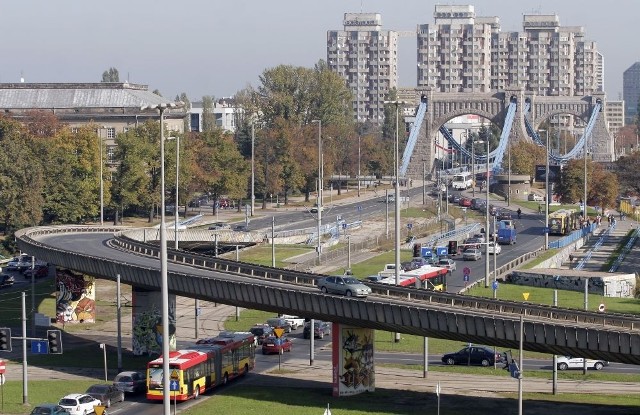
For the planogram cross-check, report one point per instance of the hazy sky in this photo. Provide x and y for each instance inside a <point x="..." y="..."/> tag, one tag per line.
<point x="213" y="47"/>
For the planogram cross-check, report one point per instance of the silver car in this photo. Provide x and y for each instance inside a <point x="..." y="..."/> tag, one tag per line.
<point x="348" y="286"/>
<point x="472" y="255"/>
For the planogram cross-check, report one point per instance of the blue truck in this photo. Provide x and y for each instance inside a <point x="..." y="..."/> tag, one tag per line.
<point x="506" y="232"/>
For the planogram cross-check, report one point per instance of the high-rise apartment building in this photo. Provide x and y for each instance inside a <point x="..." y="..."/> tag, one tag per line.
<point x="464" y="53"/>
<point x="366" y="57"/>
<point x="631" y="92"/>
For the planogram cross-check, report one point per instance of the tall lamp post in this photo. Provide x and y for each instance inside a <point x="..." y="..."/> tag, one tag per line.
<point x="163" y="259"/>
<point x="546" y="190"/>
<point x="253" y="170"/>
<point x="359" y="165"/>
<point x="584" y="201"/>
<point x="396" y="193"/>
<point x="177" y="216"/>
<point x="319" y="199"/>
<point x="101" y="180"/>
<point x="473" y="169"/>
<point x="486" y="232"/>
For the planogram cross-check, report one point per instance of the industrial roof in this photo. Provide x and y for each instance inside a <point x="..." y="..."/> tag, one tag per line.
<point x="76" y="95"/>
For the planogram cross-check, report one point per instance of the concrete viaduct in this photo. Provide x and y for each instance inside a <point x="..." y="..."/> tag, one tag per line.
<point x="423" y="313"/>
<point x="441" y="107"/>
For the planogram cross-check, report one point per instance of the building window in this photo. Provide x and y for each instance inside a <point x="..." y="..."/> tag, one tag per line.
<point x="111" y="133"/>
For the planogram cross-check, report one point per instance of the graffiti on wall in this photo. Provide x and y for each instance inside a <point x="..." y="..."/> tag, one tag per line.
<point x="147" y="322"/>
<point x="75" y="298"/>
<point x="607" y="285"/>
<point x="354" y="370"/>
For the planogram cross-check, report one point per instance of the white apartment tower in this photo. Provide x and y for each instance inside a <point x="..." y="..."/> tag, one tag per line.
<point x="454" y="54"/>
<point x="366" y="57"/>
<point x="464" y="53"/>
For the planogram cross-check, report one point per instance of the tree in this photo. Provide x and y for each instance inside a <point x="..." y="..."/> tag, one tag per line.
<point x="110" y="75"/>
<point x="187" y="104"/>
<point x="602" y="186"/>
<point x="628" y="170"/>
<point x="21" y="178"/>
<point x="208" y="117"/>
<point x="137" y="183"/>
<point x="219" y="168"/>
<point x="72" y="176"/>
<point x="525" y="155"/>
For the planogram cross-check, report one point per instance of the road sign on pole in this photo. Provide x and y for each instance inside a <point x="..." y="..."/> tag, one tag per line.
<point x="39" y="347"/>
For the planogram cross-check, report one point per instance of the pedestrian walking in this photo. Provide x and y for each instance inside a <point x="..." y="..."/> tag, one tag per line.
<point x="539" y="208"/>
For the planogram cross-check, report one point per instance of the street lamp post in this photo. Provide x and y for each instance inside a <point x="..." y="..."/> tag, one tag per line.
<point x="473" y="169"/>
<point x="424" y="183"/>
<point x="396" y="193"/>
<point x="546" y="190"/>
<point x="319" y="196"/>
<point x="397" y="200"/>
<point x="486" y="232"/>
<point x="163" y="260"/>
<point x="177" y="216"/>
<point x="253" y="170"/>
<point x="584" y="201"/>
<point x="101" y="181"/>
<point x="358" y="165"/>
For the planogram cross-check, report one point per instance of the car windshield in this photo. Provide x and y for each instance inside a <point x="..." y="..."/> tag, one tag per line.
<point x="124" y="378"/>
<point x="68" y="402"/>
<point x="257" y="331"/>
<point x="38" y="410"/>
<point x="351" y="281"/>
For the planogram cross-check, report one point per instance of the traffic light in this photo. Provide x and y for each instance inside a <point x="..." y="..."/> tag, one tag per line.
<point x="417" y="247"/>
<point x="54" y="338"/>
<point x="5" y="339"/>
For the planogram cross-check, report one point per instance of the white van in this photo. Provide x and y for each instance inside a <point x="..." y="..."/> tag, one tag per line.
<point x="462" y="181"/>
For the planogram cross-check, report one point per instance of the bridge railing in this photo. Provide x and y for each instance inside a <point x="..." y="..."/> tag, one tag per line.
<point x="309" y="279"/>
<point x="431" y="297"/>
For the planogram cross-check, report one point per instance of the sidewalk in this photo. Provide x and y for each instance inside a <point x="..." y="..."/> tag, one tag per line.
<point x="602" y="247"/>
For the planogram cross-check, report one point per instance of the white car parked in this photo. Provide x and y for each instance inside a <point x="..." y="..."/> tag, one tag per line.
<point x="569" y="362"/>
<point x="79" y="403"/>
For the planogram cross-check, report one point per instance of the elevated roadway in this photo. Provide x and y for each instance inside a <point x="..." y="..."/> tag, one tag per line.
<point x="107" y="252"/>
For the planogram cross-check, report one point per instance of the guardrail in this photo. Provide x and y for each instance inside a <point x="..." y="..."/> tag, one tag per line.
<point x="309" y="279"/>
<point x="625" y="251"/>
<point x="432" y="297"/>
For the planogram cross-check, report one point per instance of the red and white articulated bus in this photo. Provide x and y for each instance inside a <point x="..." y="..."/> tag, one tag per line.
<point x="209" y="363"/>
<point x="427" y="277"/>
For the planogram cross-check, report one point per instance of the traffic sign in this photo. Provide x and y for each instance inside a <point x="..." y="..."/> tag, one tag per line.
<point x="174" y="385"/>
<point x="344" y="225"/>
<point x="99" y="409"/>
<point x="494" y="285"/>
<point x="39" y="347"/>
<point x="174" y="375"/>
<point x="545" y="230"/>
<point x="278" y="332"/>
<point x="466" y="271"/>
<point x="409" y="225"/>
<point x="465" y="277"/>
<point x="359" y="208"/>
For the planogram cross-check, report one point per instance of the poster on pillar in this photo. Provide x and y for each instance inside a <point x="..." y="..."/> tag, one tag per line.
<point x="146" y="322"/>
<point x="75" y="298"/>
<point x="352" y="357"/>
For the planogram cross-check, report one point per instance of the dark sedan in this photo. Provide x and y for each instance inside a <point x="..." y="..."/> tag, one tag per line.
<point x="472" y="355"/>
<point x="48" y="409"/>
<point x="320" y="329"/>
<point x="131" y="382"/>
<point x="106" y="394"/>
